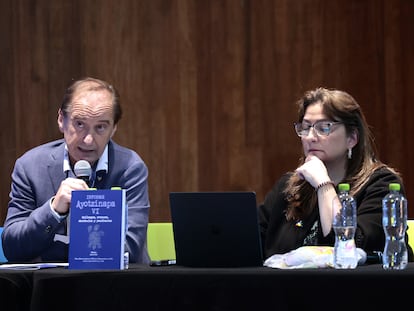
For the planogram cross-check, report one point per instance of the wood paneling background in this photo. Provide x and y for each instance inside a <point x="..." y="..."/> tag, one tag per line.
<point x="208" y="87"/>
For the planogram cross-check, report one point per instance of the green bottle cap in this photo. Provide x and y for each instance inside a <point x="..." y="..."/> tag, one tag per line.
<point x="394" y="187"/>
<point x="344" y="187"/>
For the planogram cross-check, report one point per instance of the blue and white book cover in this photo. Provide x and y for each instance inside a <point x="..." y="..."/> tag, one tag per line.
<point x="97" y="229"/>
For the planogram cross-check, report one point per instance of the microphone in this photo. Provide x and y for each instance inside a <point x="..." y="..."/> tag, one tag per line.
<point x="83" y="170"/>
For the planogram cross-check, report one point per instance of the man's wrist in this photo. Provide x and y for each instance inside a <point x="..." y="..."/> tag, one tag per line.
<point x="59" y="216"/>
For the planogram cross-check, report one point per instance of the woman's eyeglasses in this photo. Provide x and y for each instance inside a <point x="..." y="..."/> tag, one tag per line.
<point x="321" y="128"/>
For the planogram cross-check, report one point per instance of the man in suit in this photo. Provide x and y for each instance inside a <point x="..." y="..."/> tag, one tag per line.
<point x="35" y="229"/>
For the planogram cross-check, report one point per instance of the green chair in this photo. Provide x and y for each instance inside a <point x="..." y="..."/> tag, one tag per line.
<point x="160" y="241"/>
<point x="410" y="232"/>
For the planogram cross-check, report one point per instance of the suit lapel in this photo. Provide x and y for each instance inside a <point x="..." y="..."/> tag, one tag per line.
<point x="55" y="167"/>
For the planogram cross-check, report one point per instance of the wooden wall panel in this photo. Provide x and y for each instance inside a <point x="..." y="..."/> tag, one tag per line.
<point x="208" y="87"/>
<point x="7" y="107"/>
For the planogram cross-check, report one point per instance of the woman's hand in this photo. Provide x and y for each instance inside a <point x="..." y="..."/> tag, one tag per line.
<point x="313" y="171"/>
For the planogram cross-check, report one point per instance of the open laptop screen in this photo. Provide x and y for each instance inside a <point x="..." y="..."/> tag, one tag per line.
<point x="216" y="229"/>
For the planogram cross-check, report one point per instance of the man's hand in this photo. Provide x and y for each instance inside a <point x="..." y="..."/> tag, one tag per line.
<point x="61" y="201"/>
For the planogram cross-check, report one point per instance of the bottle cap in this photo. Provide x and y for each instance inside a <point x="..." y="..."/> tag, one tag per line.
<point x="394" y="187"/>
<point x="344" y="187"/>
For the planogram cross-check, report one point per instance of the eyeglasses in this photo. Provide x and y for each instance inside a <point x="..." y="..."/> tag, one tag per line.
<point x="322" y="128"/>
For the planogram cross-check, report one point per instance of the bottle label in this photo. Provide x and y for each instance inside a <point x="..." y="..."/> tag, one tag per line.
<point x="347" y="247"/>
<point x="345" y="255"/>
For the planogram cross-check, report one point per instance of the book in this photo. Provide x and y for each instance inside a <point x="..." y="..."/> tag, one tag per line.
<point x="97" y="229"/>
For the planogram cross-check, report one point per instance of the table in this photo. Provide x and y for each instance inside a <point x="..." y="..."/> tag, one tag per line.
<point x="180" y="288"/>
<point x="15" y="289"/>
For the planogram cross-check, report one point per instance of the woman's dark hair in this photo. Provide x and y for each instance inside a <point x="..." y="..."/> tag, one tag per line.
<point x="338" y="106"/>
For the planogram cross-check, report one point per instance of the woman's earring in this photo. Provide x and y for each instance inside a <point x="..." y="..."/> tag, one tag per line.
<point x="349" y="153"/>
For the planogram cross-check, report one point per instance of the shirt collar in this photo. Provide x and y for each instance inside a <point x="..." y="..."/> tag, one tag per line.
<point x="101" y="166"/>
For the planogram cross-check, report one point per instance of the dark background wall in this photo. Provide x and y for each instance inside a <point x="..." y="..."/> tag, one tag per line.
<point x="208" y="87"/>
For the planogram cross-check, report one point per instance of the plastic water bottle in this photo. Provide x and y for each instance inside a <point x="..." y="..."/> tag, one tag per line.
<point x="344" y="225"/>
<point x="126" y="253"/>
<point x="394" y="221"/>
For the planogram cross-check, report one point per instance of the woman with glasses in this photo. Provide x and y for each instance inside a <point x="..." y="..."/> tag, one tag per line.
<point x="337" y="148"/>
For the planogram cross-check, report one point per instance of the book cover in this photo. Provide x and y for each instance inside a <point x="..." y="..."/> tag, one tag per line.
<point x="97" y="229"/>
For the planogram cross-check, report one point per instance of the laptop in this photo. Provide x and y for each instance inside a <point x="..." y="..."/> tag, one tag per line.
<point x="216" y="229"/>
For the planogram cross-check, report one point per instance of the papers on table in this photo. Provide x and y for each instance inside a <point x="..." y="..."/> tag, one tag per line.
<point x="33" y="266"/>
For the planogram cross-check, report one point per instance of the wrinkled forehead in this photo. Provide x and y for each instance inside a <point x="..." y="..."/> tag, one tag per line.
<point x="91" y="101"/>
<point x="90" y="88"/>
<point x="93" y="98"/>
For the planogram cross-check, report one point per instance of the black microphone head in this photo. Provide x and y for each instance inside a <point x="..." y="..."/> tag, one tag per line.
<point x="83" y="170"/>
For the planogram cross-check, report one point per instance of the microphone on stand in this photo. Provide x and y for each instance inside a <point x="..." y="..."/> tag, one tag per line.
<point x="83" y="171"/>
